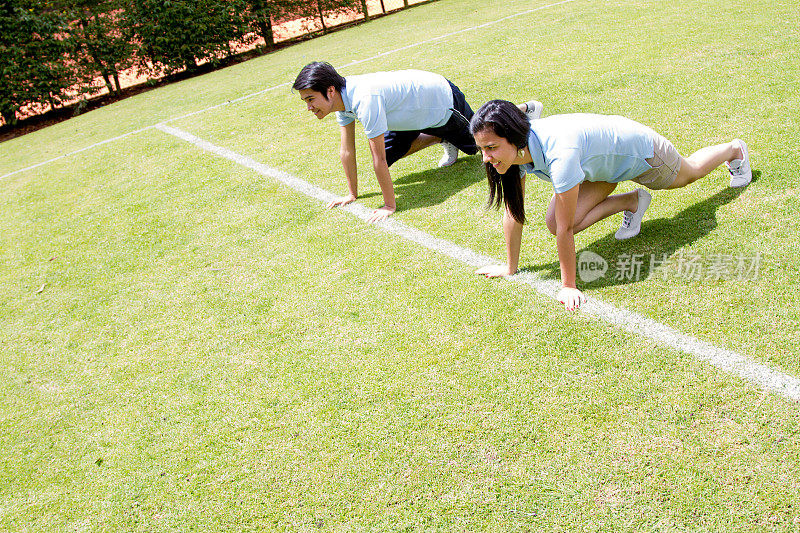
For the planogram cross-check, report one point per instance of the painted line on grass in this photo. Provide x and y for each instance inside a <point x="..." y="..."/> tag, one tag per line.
<point x="377" y="56"/>
<point x="79" y="150"/>
<point x="758" y="373"/>
<point x="464" y="30"/>
<point x="286" y="84"/>
<point x="229" y="102"/>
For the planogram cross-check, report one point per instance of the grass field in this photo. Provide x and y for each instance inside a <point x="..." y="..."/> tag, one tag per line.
<point x="190" y="345"/>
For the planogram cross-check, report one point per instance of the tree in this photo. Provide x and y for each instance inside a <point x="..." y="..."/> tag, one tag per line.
<point x="261" y="14"/>
<point x="105" y="45"/>
<point x="177" y="35"/>
<point x="35" y="57"/>
<point x="328" y="6"/>
<point x="52" y="51"/>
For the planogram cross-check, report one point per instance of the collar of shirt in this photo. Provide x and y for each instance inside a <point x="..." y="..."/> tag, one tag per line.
<point x="348" y="105"/>
<point x="537" y="153"/>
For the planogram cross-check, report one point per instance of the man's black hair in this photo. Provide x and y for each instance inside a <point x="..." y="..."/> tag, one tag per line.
<point x="318" y="76"/>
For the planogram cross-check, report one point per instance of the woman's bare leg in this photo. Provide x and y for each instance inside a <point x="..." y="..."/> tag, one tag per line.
<point x="595" y="203"/>
<point x="703" y="161"/>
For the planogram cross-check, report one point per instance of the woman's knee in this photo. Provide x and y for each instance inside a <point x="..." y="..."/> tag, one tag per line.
<point x="550" y="219"/>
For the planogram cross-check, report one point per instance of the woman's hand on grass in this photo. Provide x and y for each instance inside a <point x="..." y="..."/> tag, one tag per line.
<point x="381" y="213"/>
<point x="571" y="297"/>
<point x="344" y="200"/>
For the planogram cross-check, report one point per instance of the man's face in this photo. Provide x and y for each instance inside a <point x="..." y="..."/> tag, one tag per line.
<point x="318" y="103"/>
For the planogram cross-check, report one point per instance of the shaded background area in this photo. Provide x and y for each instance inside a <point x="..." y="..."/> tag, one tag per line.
<point x="61" y="60"/>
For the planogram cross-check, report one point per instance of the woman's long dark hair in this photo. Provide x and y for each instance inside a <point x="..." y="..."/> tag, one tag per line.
<point x="506" y="121"/>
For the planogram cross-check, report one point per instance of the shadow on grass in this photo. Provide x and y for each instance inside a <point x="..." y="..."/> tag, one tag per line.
<point x="435" y="185"/>
<point x="658" y="239"/>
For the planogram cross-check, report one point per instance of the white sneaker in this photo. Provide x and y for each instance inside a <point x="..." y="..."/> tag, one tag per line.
<point x="450" y="154"/>
<point x="632" y="222"/>
<point x="535" y="109"/>
<point x="740" y="171"/>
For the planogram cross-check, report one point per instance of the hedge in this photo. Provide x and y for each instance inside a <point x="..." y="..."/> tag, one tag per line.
<point x="53" y="51"/>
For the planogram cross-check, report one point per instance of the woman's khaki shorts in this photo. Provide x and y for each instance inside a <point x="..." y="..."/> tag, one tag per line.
<point x="666" y="162"/>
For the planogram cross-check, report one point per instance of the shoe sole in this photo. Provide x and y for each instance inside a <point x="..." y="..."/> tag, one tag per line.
<point x="536" y="112"/>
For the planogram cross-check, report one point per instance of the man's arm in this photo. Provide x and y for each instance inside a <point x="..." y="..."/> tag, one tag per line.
<point x="378" y="149"/>
<point x="347" y="155"/>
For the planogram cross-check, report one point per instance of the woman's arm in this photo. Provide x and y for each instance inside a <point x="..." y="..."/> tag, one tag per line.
<point x="565" y="206"/>
<point x="512" y="233"/>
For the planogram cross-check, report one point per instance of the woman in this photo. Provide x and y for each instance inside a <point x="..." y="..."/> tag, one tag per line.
<point x="584" y="157"/>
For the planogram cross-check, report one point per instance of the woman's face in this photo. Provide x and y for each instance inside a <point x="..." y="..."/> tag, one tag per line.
<point x="496" y="150"/>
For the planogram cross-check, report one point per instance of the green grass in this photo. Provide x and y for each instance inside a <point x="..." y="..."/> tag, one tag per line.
<point x="188" y="345"/>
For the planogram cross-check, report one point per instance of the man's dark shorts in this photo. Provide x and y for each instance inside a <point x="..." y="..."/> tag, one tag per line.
<point x="455" y="131"/>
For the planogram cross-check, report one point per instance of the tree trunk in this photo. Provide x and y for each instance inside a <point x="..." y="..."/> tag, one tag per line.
<point x="264" y="26"/>
<point x="364" y="9"/>
<point x="107" y="80"/>
<point x="93" y="55"/>
<point x="321" y="18"/>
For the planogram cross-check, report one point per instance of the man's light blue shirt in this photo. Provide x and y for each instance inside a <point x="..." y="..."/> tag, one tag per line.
<point x="569" y="149"/>
<point x="400" y="100"/>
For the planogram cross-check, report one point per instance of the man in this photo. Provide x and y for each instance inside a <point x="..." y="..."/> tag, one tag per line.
<point x="402" y="112"/>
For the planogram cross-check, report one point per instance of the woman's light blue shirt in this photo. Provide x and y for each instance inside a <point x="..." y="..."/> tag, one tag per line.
<point x="569" y="149"/>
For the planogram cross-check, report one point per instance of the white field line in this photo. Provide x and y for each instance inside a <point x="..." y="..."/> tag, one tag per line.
<point x="376" y="56"/>
<point x="760" y="374"/>
<point x="85" y="148"/>
<point x="464" y="30"/>
<point x="286" y="84"/>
